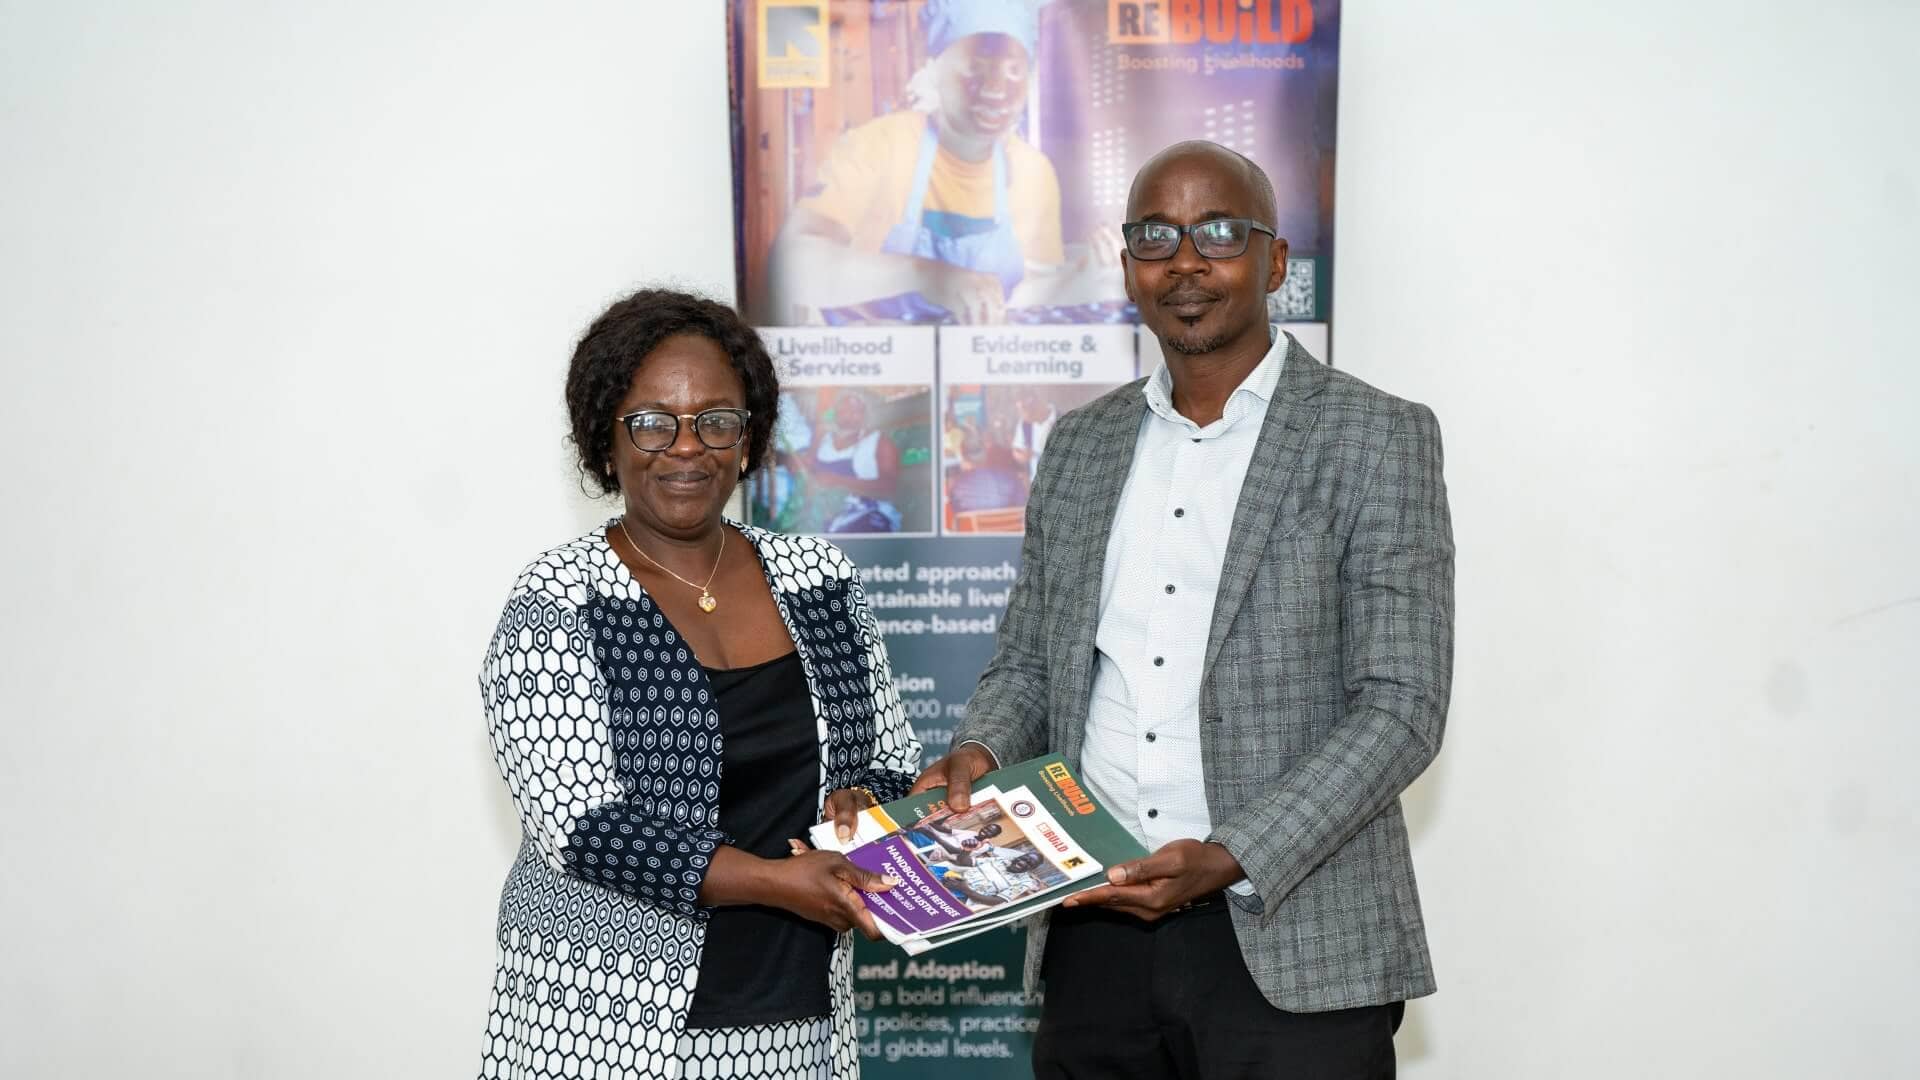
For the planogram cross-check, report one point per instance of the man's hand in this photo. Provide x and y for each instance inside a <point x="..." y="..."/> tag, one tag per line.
<point x="956" y="772"/>
<point x="1151" y="887"/>
<point x="843" y="809"/>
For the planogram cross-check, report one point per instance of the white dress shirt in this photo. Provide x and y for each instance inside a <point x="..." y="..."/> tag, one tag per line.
<point x="1163" y="562"/>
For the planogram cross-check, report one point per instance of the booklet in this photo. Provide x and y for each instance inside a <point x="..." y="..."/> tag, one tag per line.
<point x="1031" y="837"/>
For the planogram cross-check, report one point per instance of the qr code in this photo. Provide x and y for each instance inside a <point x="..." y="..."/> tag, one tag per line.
<point x="1294" y="299"/>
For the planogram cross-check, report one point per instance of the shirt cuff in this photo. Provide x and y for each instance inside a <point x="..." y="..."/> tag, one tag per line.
<point x="983" y="746"/>
<point x="1241" y="894"/>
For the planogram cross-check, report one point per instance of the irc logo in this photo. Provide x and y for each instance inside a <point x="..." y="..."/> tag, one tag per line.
<point x="793" y="44"/>
<point x="1217" y="22"/>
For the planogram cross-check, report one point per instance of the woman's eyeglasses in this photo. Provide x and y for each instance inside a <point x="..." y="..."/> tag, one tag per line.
<point x="1219" y="238"/>
<point x="717" y="429"/>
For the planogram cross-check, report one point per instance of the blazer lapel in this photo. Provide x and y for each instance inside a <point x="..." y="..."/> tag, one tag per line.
<point x="1276" y="458"/>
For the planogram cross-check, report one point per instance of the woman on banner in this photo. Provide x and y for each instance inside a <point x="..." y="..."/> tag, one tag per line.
<point x="671" y="698"/>
<point x="854" y="459"/>
<point x="938" y="216"/>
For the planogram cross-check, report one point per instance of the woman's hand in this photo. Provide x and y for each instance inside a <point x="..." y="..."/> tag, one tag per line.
<point x="843" y="809"/>
<point x="823" y="887"/>
<point x="820" y="886"/>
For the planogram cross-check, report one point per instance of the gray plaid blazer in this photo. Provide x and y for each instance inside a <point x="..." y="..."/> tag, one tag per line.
<point x="1327" y="668"/>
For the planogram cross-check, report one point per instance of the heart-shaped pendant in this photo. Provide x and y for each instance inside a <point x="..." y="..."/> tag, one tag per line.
<point x="708" y="603"/>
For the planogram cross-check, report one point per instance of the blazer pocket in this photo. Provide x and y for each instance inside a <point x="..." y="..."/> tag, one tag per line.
<point x="1294" y="597"/>
<point x="1305" y="523"/>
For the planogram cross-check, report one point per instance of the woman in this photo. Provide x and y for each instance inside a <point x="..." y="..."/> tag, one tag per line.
<point x="671" y="698"/>
<point x="946" y="215"/>
<point x="857" y="460"/>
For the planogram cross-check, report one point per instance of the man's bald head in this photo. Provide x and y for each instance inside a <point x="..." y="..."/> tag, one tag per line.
<point x="1198" y="304"/>
<point x="1266" y="205"/>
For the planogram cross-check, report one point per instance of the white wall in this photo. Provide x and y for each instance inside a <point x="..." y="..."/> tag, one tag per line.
<point x="1649" y="263"/>
<point x="286" y="292"/>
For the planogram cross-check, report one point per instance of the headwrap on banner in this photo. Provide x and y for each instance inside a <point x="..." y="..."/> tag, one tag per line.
<point x="947" y="21"/>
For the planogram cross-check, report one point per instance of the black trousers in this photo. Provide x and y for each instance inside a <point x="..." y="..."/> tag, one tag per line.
<point x="1172" y="1000"/>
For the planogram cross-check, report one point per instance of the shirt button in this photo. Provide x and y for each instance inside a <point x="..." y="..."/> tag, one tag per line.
<point x="1153" y="813"/>
<point x="1169" y="590"/>
<point x="1151" y="736"/>
<point x="1179" y="512"/>
<point x="1159" y="661"/>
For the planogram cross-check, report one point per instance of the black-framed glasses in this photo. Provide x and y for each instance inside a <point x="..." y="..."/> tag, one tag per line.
<point x="1218" y="238"/>
<point x="652" y="431"/>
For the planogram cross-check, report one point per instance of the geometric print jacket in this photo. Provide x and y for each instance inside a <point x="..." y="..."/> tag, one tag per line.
<point x="606" y="733"/>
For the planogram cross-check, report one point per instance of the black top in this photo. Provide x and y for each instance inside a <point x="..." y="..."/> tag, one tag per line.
<point x="762" y="965"/>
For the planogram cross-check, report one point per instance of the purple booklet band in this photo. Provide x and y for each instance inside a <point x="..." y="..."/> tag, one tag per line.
<point x="918" y="904"/>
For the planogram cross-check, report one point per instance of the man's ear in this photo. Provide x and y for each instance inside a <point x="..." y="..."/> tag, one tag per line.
<point x="1126" y="276"/>
<point x="1276" y="264"/>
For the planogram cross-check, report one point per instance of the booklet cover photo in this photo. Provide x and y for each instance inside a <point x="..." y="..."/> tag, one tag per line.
<point x="1031" y="837"/>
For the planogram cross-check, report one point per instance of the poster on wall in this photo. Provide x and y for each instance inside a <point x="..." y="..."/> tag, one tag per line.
<point x="927" y="201"/>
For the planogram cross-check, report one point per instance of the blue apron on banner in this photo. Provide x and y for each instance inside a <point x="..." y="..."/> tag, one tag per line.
<point x="971" y="243"/>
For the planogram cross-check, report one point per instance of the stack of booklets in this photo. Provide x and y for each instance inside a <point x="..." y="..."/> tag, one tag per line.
<point x="1030" y="837"/>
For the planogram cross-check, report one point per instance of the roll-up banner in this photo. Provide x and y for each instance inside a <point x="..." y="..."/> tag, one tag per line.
<point x="928" y="198"/>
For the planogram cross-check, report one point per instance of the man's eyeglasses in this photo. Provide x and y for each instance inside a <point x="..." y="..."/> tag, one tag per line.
<point x="717" y="429"/>
<point x="1219" y="238"/>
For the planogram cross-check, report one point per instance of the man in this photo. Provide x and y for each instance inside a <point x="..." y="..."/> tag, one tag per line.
<point x="990" y="882"/>
<point x="1037" y="417"/>
<point x="938" y="843"/>
<point x="977" y="484"/>
<point x="1234" y="618"/>
<point x="967" y="839"/>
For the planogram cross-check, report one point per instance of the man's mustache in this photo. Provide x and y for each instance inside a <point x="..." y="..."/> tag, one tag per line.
<point x="1189" y="294"/>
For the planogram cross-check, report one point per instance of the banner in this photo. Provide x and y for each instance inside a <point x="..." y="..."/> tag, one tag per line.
<point x="927" y="206"/>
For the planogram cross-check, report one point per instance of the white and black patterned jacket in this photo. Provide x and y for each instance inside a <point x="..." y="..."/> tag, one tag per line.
<point x="607" y="734"/>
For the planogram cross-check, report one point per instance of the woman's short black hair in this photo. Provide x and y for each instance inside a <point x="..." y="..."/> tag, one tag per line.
<point x="612" y="349"/>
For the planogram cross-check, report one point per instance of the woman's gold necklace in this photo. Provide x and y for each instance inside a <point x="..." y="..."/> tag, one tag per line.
<point x="707" y="602"/>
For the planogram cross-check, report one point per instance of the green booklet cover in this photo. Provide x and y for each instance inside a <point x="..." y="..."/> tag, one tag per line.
<point x="1032" y="836"/>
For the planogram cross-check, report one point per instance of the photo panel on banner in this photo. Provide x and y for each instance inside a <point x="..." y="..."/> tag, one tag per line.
<point x="1002" y="389"/>
<point x="928" y="206"/>
<point x="935" y="148"/>
<point x="853" y="448"/>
